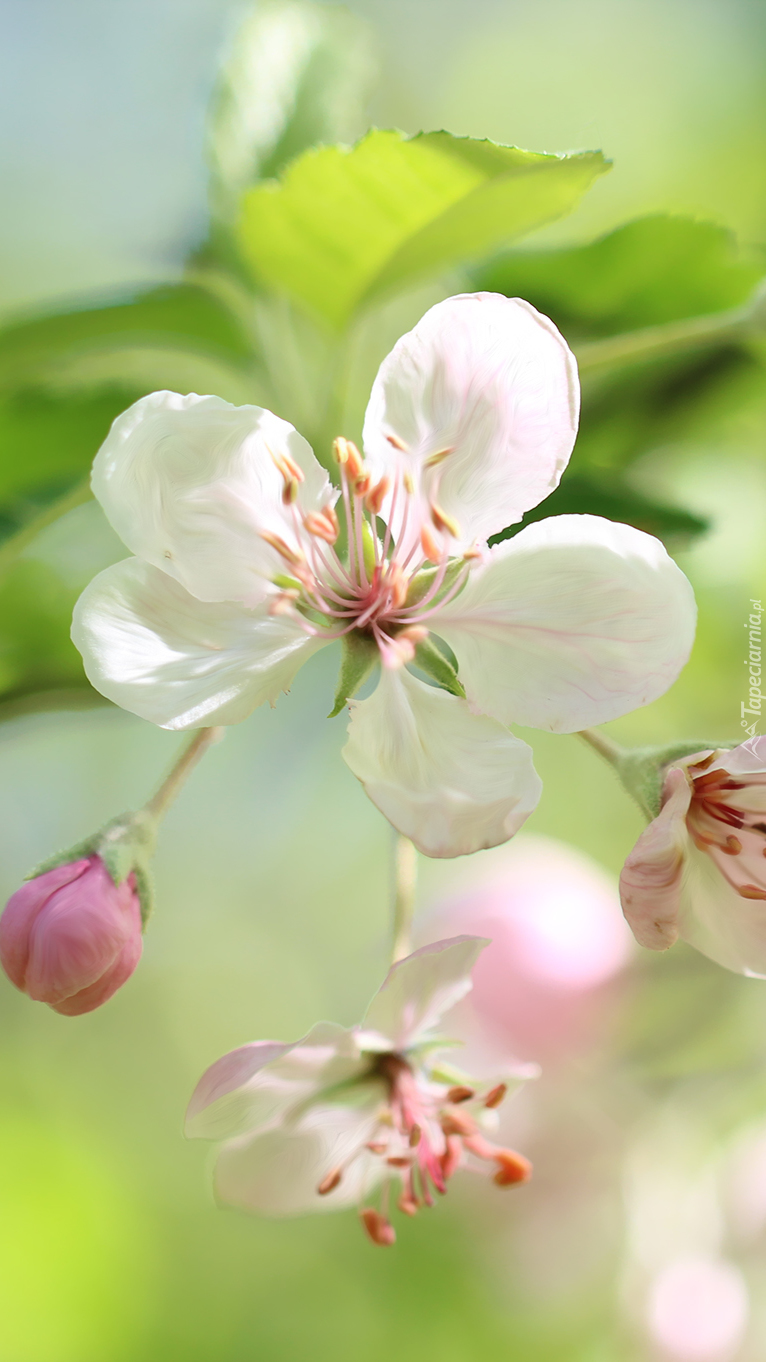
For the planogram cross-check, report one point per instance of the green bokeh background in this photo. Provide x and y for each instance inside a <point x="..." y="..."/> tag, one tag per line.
<point x="272" y="872"/>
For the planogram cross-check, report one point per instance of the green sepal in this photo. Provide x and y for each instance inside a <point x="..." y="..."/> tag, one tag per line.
<point x="286" y="583"/>
<point x="368" y="549"/>
<point x="642" y="769"/>
<point x="125" y="844"/>
<point x="432" y="661"/>
<point x="422" y="582"/>
<point x="359" y="655"/>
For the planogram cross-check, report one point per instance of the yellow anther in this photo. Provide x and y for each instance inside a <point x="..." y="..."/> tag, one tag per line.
<point x="348" y="456"/>
<point x="443" y="521"/>
<point x="409" y="485"/>
<point x="438" y="457"/>
<point x="291" y="556"/>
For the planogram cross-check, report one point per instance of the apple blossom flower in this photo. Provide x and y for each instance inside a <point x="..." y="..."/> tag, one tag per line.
<point x="71" y="937"/>
<point x="699" y="870"/>
<point x="319" y="1124"/>
<point x="238" y="576"/>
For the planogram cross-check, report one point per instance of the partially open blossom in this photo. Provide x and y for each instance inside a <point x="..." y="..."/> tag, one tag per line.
<point x="248" y="561"/>
<point x="321" y="1123"/>
<point x="699" y="870"/>
<point x="71" y="936"/>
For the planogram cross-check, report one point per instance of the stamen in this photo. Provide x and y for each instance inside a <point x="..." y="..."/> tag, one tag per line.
<point x="348" y="456"/>
<point x="380" y="1230"/>
<point x="429" y="546"/>
<point x="443" y="521"/>
<point x="292" y="556"/>
<point x="439" y="457"/>
<point x="495" y="1096"/>
<point x="397" y="443"/>
<point x="460" y="1094"/>
<point x="290" y="492"/>
<point x="319" y="524"/>
<point x="751" y="891"/>
<point x="376" y="496"/>
<point x="451" y="1158"/>
<point x="457" y="1123"/>
<point x="415" y="1136"/>
<point x="329" y="1183"/>
<point x="732" y="846"/>
<point x="513" y="1168"/>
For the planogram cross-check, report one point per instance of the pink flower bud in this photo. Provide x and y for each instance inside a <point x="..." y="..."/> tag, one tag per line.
<point x="71" y="936"/>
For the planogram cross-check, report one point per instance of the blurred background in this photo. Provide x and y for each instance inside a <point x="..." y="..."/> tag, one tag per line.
<point x="643" y="1233"/>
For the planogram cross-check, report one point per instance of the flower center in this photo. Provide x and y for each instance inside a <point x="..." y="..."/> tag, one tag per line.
<point x="721" y="826"/>
<point x="422" y="1135"/>
<point x="370" y="589"/>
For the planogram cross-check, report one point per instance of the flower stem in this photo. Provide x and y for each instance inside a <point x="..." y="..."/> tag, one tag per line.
<point x="405" y="879"/>
<point x="609" y="750"/>
<point x="159" y="804"/>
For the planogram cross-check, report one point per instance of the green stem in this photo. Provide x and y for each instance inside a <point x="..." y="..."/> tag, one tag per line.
<point x="405" y="879"/>
<point x="671" y="338"/>
<point x="609" y="750"/>
<point x="159" y="804"/>
<point x="15" y="545"/>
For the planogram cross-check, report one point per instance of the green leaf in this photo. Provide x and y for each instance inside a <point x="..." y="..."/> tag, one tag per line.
<point x="657" y="269"/>
<point x="297" y="74"/>
<point x="179" y="317"/>
<point x="359" y="655"/>
<point x="431" y="660"/>
<point x="344" y="226"/>
<point x="611" y="497"/>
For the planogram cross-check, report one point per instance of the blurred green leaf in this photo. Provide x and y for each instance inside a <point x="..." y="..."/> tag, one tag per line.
<point x="297" y="74"/>
<point x="344" y="226"/>
<point x="611" y="497"/>
<point x="176" y="317"/>
<point x="657" y="269"/>
<point x="36" y="653"/>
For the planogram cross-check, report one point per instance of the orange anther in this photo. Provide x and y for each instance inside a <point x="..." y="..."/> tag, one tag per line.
<point x="495" y="1095"/>
<point x="442" y="521"/>
<point x="751" y="891"/>
<point x="380" y="1230"/>
<point x="512" y="1168"/>
<point x="460" y="1094"/>
<point x="429" y="546"/>
<point x="376" y="496"/>
<point x="397" y="443"/>
<point x="330" y="1182"/>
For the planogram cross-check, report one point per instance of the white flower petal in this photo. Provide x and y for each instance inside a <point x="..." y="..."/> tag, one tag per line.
<point x="652" y="877"/>
<point x="182" y="663"/>
<point x="278" y="1172"/>
<point x="718" y="921"/>
<point x="253" y="1086"/>
<point x="451" y="781"/>
<point x="574" y="621"/>
<point x="419" y="989"/>
<point x="491" y="380"/>
<point x="191" y="483"/>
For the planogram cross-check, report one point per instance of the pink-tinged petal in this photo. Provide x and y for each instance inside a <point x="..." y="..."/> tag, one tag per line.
<point x="492" y="382"/>
<point x="278" y="1172"/>
<point x="258" y="1084"/>
<point x="154" y="649"/>
<point x="573" y="622"/>
<point x="450" y="780"/>
<point x="419" y="989"/>
<point x="21" y="912"/>
<point x="748" y="759"/>
<point x="653" y="874"/>
<point x="191" y="484"/>
<point x="229" y="1074"/>
<point x="718" y="921"/>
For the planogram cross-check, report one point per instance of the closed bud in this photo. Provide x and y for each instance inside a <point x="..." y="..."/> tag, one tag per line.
<point x="71" y="937"/>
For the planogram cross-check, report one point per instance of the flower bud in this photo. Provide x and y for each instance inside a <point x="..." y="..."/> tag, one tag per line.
<point x="71" y="937"/>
